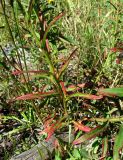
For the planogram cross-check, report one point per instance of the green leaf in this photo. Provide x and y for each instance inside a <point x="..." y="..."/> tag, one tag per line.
<point x="25" y="116"/>
<point x="85" y="154"/>
<point x="118" y="145"/>
<point x="87" y="96"/>
<point x="34" y="73"/>
<point x="112" y="92"/>
<point x="13" y="117"/>
<point x="41" y="153"/>
<point x="38" y="95"/>
<point x="91" y="134"/>
<point x="57" y="155"/>
<point x="76" y="153"/>
<point x="31" y="115"/>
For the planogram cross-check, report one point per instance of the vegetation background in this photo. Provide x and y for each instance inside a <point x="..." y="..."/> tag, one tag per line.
<point x="56" y="58"/>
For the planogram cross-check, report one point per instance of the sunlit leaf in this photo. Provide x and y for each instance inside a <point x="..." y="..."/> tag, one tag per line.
<point x="87" y="96"/>
<point x="49" y="120"/>
<point x="93" y="133"/>
<point x="51" y="129"/>
<point x="81" y="127"/>
<point x="76" y="153"/>
<point x="49" y="1"/>
<point x="118" y="145"/>
<point x="37" y="95"/>
<point x="34" y="74"/>
<point x="111" y="92"/>
<point x="58" y="155"/>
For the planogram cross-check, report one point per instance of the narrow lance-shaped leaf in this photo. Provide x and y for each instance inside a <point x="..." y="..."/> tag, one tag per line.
<point x="49" y="27"/>
<point x="34" y="73"/>
<point x="87" y="96"/>
<point x="37" y="95"/>
<point x="111" y="92"/>
<point x="18" y="72"/>
<point x="90" y="134"/>
<point x="49" y="120"/>
<point x="81" y="127"/>
<point x="52" y="127"/>
<point x="61" y="71"/>
<point x="40" y="74"/>
<point x="118" y="144"/>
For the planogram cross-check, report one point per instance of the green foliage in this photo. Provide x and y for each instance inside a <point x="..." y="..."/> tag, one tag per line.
<point x="91" y="134"/>
<point x="112" y="92"/>
<point x="60" y="57"/>
<point x="118" y="145"/>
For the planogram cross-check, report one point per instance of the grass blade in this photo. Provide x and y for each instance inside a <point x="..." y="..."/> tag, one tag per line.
<point x="118" y="145"/>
